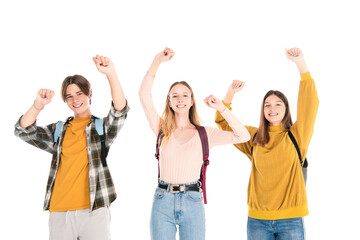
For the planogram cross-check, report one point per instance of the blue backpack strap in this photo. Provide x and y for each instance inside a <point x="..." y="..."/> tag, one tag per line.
<point x="99" y="126"/>
<point x="100" y="130"/>
<point x="57" y="131"/>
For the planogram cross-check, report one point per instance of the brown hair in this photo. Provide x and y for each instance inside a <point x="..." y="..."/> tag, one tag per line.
<point x="262" y="136"/>
<point x="168" y="123"/>
<point x="80" y="81"/>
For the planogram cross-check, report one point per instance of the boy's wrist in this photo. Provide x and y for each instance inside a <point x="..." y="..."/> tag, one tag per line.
<point x="36" y="106"/>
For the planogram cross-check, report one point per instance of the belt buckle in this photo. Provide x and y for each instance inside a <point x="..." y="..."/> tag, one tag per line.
<point x="171" y="188"/>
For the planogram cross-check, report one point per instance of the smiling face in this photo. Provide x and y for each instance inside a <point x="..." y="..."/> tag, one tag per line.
<point x="274" y="110"/>
<point x="180" y="99"/>
<point x="78" y="101"/>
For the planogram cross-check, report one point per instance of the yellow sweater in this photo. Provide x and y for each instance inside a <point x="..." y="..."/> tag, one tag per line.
<point x="276" y="187"/>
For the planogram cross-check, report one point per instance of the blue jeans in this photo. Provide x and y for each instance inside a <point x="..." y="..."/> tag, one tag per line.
<point x="289" y="229"/>
<point x="185" y="209"/>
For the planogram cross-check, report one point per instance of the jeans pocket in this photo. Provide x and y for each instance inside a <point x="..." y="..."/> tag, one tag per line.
<point x="159" y="193"/>
<point x="194" y="196"/>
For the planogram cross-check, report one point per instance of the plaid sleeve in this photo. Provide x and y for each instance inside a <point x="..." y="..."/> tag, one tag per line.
<point x="113" y="122"/>
<point x="40" y="137"/>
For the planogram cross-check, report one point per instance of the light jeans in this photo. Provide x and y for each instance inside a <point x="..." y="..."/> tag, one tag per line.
<point x="185" y="209"/>
<point x="80" y="225"/>
<point x="283" y="229"/>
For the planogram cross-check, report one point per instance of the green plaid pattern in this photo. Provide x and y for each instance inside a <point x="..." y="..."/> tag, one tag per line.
<point x="101" y="186"/>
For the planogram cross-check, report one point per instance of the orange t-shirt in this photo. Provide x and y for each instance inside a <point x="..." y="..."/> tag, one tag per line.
<point x="71" y="187"/>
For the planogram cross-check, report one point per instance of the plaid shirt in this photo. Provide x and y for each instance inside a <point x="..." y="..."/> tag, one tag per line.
<point x="101" y="186"/>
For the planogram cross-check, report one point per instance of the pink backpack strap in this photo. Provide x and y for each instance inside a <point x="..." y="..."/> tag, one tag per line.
<point x="157" y="154"/>
<point x="205" y="148"/>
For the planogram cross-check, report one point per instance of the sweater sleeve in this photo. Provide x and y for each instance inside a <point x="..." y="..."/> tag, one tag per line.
<point x="237" y="134"/>
<point x="147" y="103"/>
<point x="308" y="104"/>
<point x="223" y="124"/>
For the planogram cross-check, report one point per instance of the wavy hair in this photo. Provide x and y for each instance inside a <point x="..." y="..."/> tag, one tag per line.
<point x="168" y="124"/>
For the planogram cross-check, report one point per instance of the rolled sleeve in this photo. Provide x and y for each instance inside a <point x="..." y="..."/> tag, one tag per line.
<point x="20" y="130"/>
<point x="119" y="114"/>
<point x="114" y="122"/>
<point x="40" y="137"/>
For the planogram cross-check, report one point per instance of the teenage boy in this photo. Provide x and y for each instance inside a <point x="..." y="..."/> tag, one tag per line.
<point x="80" y="188"/>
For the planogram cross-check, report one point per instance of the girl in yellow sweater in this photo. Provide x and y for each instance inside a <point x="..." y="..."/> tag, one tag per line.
<point x="276" y="193"/>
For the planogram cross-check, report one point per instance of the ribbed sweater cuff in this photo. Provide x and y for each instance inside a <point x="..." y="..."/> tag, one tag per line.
<point x="305" y="76"/>
<point x="228" y="105"/>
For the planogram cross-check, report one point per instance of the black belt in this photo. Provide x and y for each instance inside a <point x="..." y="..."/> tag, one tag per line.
<point x="175" y="188"/>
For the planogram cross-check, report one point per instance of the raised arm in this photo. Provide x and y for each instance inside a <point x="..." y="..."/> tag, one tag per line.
<point x="26" y="129"/>
<point x="146" y="86"/>
<point x="43" y="98"/>
<point x="308" y="101"/>
<point x="238" y="134"/>
<point x="106" y="66"/>
<point x="235" y="87"/>
<point x="166" y="55"/>
<point x="223" y="123"/>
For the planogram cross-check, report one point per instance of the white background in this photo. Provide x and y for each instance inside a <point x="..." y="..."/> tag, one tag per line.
<point x="42" y="42"/>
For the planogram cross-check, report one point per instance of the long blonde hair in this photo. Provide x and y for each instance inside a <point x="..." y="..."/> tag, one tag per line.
<point x="168" y="124"/>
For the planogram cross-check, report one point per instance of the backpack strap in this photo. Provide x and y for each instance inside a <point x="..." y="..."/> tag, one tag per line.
<point x="206" y="162"/>
<point x="252" y="145"/>
<point x="305" y="164"/>
<point x="99" y="126"/>
<point x="205" y="149"/>
<point x="100" y="130"/>
<point x="57" y="131"/>
<point x="157" y="154"/>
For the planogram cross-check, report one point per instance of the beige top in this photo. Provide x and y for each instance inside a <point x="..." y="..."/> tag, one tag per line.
<point x="181" y="162"/>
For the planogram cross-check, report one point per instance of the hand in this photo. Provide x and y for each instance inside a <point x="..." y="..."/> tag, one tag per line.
<point x="104" y="64"/>
<point x="166" y="55"/>
<point x="236" y="86"/>
<point x="295" y="55"/>
<point x="213" y="102"/>
<point x="43" y="98"/>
